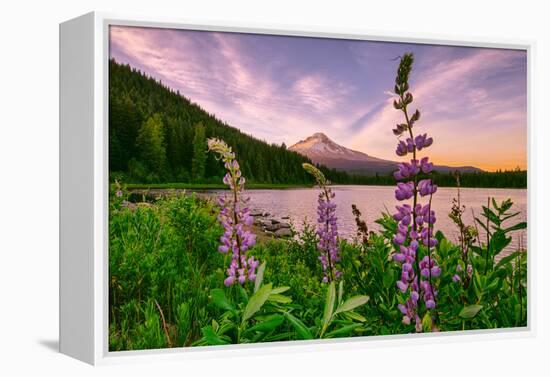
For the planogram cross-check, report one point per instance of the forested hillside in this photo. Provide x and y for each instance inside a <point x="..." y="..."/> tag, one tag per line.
<point x="157" y="135"/>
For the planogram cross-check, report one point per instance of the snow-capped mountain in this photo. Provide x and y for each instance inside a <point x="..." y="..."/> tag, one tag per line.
<point x="322" y="150"/>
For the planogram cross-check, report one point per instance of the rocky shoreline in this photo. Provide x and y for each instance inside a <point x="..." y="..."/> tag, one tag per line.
<point x="271" y="226"/>
<point x="264" y="224"/>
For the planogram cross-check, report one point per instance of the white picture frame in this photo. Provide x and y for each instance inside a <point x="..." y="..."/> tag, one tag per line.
<point x="84" y="190"/>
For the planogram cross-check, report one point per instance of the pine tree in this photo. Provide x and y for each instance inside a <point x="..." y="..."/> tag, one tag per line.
<point x="199" y="153"/>
<point x="150" y="143"/>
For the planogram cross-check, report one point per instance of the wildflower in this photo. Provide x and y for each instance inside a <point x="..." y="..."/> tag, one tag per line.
<point x="407" y="170"/>
<point x="415" y="225"/>
<point x="426" y="187"/>
<point x="422" y="141"/>
<point x="426" y="166"/>
<point x="404" y="191"/>
<point x="327" y="229"/>
<point x="401" y="149"/>
<point x="234" y="216"/>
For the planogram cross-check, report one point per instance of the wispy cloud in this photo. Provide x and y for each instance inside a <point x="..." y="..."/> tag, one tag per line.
<point x="282" y="89"/>
<point x="216" y="71"/>
<point x="475" y="120"/>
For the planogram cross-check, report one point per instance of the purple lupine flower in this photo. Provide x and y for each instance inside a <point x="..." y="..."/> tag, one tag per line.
<point x="410" y="145"/>
<point x="407" y="170"/>
<point x="426" y="166"/>
<point x="404" y="191"/>
<point x="415" y="225"/>
<point x="401" y="149"/>
<point x="327" y="228"/>
<point x="422" y="141"/>
<point x="426" y="187"/>
<point x="234" y="216"/>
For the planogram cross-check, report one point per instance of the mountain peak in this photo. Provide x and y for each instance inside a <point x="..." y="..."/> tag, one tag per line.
<point x="320" y="147"/>
<point x="319" y="135"/>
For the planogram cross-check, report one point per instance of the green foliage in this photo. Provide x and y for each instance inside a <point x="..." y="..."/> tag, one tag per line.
<point x="150" y="143"/>
<point x="166" y="254"/>
<point x="163" y="252"/>
<point x="199" y="153"/>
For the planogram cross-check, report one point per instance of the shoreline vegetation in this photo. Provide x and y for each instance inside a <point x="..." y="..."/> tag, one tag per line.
<point x="210" y="186"/>
<point x="495" y="180"/>
<point x="509" y="180"/>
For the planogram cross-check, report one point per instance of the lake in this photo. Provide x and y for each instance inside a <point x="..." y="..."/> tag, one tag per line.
<point x="301" y="203"/>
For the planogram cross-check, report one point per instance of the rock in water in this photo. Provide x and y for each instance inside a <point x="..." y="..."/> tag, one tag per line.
<point x="283" y="232"/>
<point x="272" y="227"/>
<point x="265" y="223"/>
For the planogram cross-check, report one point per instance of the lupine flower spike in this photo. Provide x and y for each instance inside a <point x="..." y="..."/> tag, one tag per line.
<point x="415" y="221"/>
<point x="327" y="230"/>
<point x="234" y="215"/>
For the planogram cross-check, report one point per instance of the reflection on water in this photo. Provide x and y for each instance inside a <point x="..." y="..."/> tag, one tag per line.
<point x="372" y="200"/>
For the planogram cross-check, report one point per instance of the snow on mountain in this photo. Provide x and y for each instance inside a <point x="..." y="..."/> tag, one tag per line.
<point x="322" y="150"/>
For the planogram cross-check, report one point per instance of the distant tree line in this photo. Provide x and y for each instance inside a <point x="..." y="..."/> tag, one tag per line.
<point x="499" y="179"/>
<point x="156" y="135"/>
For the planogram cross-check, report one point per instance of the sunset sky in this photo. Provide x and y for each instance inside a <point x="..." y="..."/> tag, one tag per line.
<point x="282" y="89"/>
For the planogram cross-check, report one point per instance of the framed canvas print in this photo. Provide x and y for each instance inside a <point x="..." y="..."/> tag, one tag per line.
<point x="229" y="189"/>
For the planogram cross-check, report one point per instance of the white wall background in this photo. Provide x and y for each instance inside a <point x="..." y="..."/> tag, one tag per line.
<point x="29" y="184"/>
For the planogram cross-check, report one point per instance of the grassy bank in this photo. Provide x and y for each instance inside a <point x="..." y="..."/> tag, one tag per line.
<point x="209" y="186"/>
<point x="166" y="283"/>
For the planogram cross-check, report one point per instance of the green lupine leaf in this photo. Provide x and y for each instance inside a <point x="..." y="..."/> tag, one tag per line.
<point x="301" y="329"/>
<point x="498" y="242"/>
<point x="267" y="325"/>
<point x="491" y="215"/>
<point x="340" y="291"/>
<point x="211" y="337"/>
<point x="343" y="331"/>
<point x="329" y="305"/>
<point x="507" y="259"/>
<point x="518" y="226"/>
<point x="470" y="312"/>
<point x="220" y="300"/>
<point x="259" y="277"/>
<point x="279" y="298"/>
<point x="279" y="290"/>
<point x="510" y="216"/>
<point x="357" y="317"/>
<point x="255" y="302"/>
<point x="352" y="303"/>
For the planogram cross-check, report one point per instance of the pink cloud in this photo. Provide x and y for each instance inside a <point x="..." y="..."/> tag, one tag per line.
<point x="471" y="125"/>
<point x="221" y="78"/>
